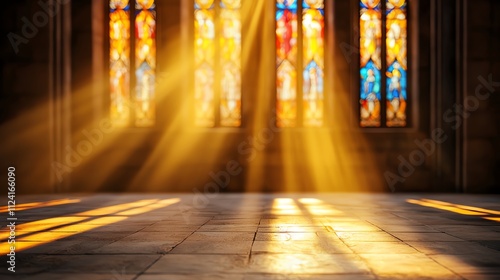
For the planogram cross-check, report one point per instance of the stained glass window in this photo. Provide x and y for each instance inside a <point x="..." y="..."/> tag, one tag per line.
<point x="230" y="46"/>
<point x="286" y="55"/>
<point x="145" y="62"/>
<point x="291" y="111"/>
<point x="313" y="60"/>
<point x="136" y="106"/>
<point x="119" y="53"/>
<point x="396" y="62"/>
<point x="373" y="90"/>
<point x="371" y="63"/>
<point x="217" y="60"/>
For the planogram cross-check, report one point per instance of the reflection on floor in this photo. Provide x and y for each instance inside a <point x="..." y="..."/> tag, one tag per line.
<point x="255" y="236"/>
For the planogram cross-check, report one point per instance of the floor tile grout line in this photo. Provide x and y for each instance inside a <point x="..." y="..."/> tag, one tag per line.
<point x="161" y="255"/>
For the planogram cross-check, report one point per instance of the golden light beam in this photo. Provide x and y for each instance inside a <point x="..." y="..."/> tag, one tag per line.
<point x="457" y="208"/>
<point x="472" y="208"/>
<point x="27" y="242"/>
<point x="33" y="205"/>
<point x="319" y="208"/>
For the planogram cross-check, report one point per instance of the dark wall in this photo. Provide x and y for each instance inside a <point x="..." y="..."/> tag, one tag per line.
<point x="482" y="150"/>
<point x="174" y="157"/>
<point x="24" y="99"/>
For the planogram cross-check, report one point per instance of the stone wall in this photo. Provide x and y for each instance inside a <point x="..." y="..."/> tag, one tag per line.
<point x="482" y="126"/>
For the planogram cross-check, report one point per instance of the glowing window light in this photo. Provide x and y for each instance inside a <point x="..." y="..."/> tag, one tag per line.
<point x="310" y="14"/>
<point x="126" y="103"/>
<point x="145" y="62"/>
<point x="372" y="88"/>
<point x="217" y="60"/>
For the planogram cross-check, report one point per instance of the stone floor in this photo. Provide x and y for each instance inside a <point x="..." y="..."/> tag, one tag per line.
<point x="255" y="236"/>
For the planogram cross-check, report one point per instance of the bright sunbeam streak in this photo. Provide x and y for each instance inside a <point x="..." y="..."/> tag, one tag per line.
<point x="457" y="208"/>
<point x="34" y="205"/>
<point x="63" y="227"/>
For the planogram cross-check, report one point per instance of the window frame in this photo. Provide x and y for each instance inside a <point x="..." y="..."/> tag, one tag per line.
<point x="131" y="125"/>
<point x="413" y="117"/>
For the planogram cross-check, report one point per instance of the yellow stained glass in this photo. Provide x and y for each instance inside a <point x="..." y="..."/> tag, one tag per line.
<point x="230" y="63"/>
<point x="396" y="73"/>
<point x="145" y="62"/>
<point x="286" y="63"/>
<point x="204" y="59"/>
<point x="119" y="52"/>
<point x="370" y="62"/>
<point x="313" y="61"/>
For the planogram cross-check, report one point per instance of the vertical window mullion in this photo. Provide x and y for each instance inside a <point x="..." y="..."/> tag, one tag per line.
<point x="133" y="83"/>
<point x="300" y="65"/>
<point x="217" y="59"/>
<point x="383" y="108"/>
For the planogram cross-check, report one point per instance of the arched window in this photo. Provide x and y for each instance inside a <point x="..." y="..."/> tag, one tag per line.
<point x="299" y="62"/>
<point x="383" y="49"/>
<point x="217" y="62"/>
<point x="132" y="97"/>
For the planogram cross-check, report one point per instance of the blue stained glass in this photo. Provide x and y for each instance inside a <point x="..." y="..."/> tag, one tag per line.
<point x="397" y="83"/>
<point x="370" y="80"/>
<point x="318" y="76"/>
<point x="287" y="4"/>
<point x="390" y="8"/>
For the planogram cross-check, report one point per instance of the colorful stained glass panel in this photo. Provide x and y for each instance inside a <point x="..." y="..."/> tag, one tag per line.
<point x="286" y="56"/>
<point x="313" y="61"/>
<point x="370" y="62"/>
<point x="396" y="40"/>
<point x="230" y="63"/>
<point x="204" y="59"/>
<point x="119" y="52"/>
<point x="145" y="62"/>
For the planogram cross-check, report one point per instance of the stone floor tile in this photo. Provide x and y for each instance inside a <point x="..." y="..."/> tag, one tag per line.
<point x="198" y="264"/>
<point x="81" y="276"/>
<point x="249" y="228"/>
<point x="175" y="236"/>
<point x="407" y="228"/>
<point x="215" y="276"/>
<point x="411" y="266"/>
<point x="249" y="222"/>
<point x="293" y="228"/>
<point x="478" y="235"/>
<point x="221" y="236"/>
<point x="366" y="236"/>
<point x="363" y="247"/>
<point x="319" y="246"/>
<point x="425" y="236"/>
<point x="169" y="228"/>
<point x="125" y="264"/>
<point x="480" y="276"/>
<point x="450" y="248"/>
<point x="136" y="247"/>
<point x="470" y="263"/>
<point x="352" y="227"/>
<point x="213" y="247"/>
<point x="309" y="277"/>
<point x="307" y="264"/>
<point x="284" y="236"/>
